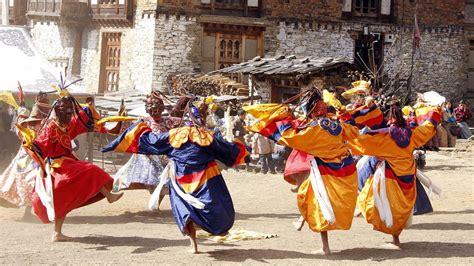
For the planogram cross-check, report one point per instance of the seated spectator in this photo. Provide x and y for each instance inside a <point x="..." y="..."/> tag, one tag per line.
<point x="462" y="115"/>
<point x="449" y="124"/>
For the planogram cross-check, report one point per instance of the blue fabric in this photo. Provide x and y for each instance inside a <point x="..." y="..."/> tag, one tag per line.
<point x="422" y="203"/>
<point x="218" y="215"/>
<point x="216" y="218"/>
<point x="366" y="171"/>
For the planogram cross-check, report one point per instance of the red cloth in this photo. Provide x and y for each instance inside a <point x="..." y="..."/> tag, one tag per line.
<point x="75" y="183"/>
<point x="296" y="163"/>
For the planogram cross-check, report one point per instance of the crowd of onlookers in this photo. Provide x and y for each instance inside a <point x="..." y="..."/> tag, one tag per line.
<point x="454" y="126"/>
<point x="269" y="157"/>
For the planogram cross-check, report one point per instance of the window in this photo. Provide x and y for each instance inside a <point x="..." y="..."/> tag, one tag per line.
<point x="224" y="45"/>
<point x="283" y="89"/>
<point x="246" y="8"/>
<point x="110" y="62"/>
<point x="366" y="7"/>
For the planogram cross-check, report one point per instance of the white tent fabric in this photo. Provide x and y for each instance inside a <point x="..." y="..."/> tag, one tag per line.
<point x="21" y="62"/>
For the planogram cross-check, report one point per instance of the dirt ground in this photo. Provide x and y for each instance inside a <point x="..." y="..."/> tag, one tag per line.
<point x="125" y="232"/>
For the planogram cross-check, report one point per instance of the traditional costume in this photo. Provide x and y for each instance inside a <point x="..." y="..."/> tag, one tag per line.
<point x="198" y="192"/>
<point x="327" y="199"/>
<point x="143" y="171"/>
<point x="18" y="180"/>
<point x="69" y="183"/>
<point x="388" y="196"/>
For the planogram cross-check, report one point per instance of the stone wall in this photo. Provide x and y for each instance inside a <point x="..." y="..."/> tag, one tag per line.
<point x="433" y="12"/>
<point x="318" y="40"/>
<point x="439" y="66"/>
<point x="177" y="48"/>
<point x="52" y="40"/>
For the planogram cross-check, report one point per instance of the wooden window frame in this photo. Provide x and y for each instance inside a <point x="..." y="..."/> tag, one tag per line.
<point x="374" y="14"/>
<point x="103" y="84"/>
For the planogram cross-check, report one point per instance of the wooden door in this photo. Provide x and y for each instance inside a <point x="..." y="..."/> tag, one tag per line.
<point x="110" y="62"/>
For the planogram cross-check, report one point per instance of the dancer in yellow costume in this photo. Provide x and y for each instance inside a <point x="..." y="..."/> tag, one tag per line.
<point x="327" y="199"/>
<point x="388" y="196"/>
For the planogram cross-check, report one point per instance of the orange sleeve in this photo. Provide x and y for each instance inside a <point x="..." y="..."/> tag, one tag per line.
<point x="423" y="133"/>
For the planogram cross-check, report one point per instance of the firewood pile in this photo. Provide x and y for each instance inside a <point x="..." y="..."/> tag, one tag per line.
<point x="205" y="85"/>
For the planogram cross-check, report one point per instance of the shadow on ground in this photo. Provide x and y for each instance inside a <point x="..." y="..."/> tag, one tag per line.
<point x="164" y="216"/>
<point x="442" y="226"/>
<point x="141" y="244"/>
<point x="409" y="250"/>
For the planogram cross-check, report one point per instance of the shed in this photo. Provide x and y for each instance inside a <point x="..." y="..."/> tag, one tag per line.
<point x="278" y="78"/>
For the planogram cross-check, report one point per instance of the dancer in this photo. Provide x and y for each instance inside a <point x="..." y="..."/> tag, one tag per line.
<point x="143" y="171"/>
<point x="68" y="183"/>
<point x="327" y="199"/>
<point x="198" y="193"/>
<point x="389" y="207"/>
<point x="18" y="179"/>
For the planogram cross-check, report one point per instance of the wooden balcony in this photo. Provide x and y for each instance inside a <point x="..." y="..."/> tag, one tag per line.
<point x="240" y="8"/>
<point x="74" y="11"/>
<point x="112" y="10"/>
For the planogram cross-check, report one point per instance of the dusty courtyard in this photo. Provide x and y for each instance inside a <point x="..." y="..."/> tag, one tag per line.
<point x="126" y="232"/>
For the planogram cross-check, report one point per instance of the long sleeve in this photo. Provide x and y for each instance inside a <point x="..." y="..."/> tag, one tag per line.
<point x="139" y="138"/>
<point x="229" y="153"/>
<point x="349" y="131"/>
<point x="84" y="122"/>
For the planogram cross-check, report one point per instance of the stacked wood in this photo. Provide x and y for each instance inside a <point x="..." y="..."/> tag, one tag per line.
<point x="205" y="85"/>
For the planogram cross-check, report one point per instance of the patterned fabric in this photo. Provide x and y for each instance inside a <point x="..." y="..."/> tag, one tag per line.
<point x="397" y="154"/>
<point x="18" y="180"/>
<point x="143" y="171"/>
<point x="324" y="139"/>
<point x="75" y="183"/>
<point x="196" y="171"/>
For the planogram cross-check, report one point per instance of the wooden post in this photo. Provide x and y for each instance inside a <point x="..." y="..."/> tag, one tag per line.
<point x="251" y="85"/>
<point x="6" y="12"/>
<point x="217" y="50"/>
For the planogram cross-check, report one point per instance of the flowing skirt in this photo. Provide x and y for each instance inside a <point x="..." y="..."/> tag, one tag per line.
<point x="401" y="194"/>
<point x="140" y="172"/>
<point x="75" y="184"/>
<point x="297" y="162"/>
<point x="18" y="180"/>
<point x="218" y="215"/>
<point x="340" y="180"/>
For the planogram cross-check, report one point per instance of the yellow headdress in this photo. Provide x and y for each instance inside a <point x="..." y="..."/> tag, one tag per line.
<point x="358" y="87"/>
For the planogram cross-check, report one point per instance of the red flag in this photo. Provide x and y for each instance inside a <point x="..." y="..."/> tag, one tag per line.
<point x="21" y="95"/>
<point x="416" y="36"/>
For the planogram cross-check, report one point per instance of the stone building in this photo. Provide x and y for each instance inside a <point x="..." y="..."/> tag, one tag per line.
<point x="122" y="44"/>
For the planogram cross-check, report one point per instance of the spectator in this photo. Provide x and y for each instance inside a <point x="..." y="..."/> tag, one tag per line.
<point x="239" y="126"/>
<point x="449" y="124"/>
<point x="462" y="115"/>
<point x="264" y="148"/>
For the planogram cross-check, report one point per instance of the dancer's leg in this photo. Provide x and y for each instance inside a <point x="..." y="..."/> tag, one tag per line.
<point x="299" y="224"/>
<point x="28" y="215"/>
<point x="325" y="240"/>
<point x="191" y="232"/>
<point x="58" y="235"/>
<point x="110" y="197"/>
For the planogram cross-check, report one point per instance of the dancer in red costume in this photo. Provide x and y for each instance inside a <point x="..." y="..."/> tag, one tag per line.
<point x="66" y="182"/>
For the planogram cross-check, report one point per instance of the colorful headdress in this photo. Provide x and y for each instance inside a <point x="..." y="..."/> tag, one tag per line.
<point x="360" y="87"/>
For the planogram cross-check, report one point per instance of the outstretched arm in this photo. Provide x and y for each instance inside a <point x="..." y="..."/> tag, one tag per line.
<point x="139" y="138"/>
<point x="229" y="153"/>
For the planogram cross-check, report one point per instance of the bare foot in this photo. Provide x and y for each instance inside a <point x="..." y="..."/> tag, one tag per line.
<point x="60" y="238"/>
<point x="391" y="245"/>
<point x="321" y="251"/>
<point x="298" y="225"/>
<point x="114" y="197"/>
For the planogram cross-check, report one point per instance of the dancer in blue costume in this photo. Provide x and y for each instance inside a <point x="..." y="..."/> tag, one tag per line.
<point x="198" y="193"/>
